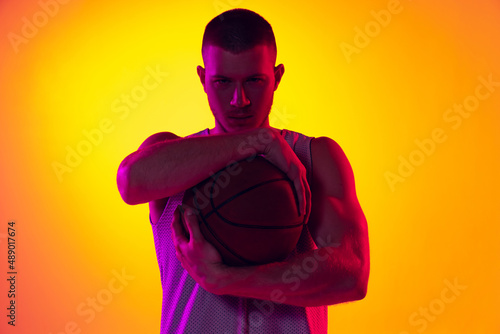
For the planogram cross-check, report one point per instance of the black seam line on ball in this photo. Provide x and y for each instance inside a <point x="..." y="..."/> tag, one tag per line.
<point x="268" y="227"/>
<point x="263" y="227"/>
<point x="216" y="208"/>
<point x="230" y="250"/>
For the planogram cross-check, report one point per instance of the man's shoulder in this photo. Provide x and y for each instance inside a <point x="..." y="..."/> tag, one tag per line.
<point x="326" y="143"/>
<point x="331" y="166"/>
<point x="326" y="148"/>
<point x="322" y="143"/>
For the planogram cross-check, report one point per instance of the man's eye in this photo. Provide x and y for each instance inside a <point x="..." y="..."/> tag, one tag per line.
<point x="255" y="80"/>
<point x="221" y="81"/>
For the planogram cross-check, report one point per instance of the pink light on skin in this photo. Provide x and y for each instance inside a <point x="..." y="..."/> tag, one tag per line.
<point x="240" y="87"/>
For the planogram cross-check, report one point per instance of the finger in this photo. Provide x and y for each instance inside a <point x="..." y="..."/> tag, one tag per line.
<point x="192" y="224"/>
<point x="305" y="186"/>
<point x="178" y="232"/>
<point x="293" y="174"/>
<point x="306" y="191"/>
<point x="181" y="259"/>
<point x="299" y="188"/>
<point x="308" y="200"/>
<point x="178" y="254"/>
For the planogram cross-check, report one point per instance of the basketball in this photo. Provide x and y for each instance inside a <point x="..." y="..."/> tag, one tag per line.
<point x="249" y="212"/>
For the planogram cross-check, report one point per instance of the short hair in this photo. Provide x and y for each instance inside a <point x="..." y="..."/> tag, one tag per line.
<point x="238" y="30"/>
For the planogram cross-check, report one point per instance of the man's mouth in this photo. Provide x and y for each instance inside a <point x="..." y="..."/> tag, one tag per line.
<point x="243" y="116"/>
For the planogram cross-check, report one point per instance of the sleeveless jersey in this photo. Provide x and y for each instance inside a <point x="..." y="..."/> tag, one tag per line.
<point x="188" y="308"/>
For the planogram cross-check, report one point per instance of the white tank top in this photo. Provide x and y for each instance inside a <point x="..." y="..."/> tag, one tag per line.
<point x="188" y="308"/>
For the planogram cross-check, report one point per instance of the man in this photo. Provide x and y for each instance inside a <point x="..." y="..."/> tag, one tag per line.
<point x="330" y="264"/>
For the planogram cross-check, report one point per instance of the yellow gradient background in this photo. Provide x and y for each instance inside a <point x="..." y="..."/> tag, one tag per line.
<point x="436" y="225"/>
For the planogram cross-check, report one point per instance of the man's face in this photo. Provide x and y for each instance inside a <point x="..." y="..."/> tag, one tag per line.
<point x="240" y="87"/>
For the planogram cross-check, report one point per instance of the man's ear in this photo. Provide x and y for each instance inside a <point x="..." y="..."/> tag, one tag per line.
<point x="201" y="74"/>
<point x="278" y="74"/>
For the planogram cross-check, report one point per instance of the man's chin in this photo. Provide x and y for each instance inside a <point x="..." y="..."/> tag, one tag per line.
<point x="240" y="124"/>
<point x="236" y="125"/>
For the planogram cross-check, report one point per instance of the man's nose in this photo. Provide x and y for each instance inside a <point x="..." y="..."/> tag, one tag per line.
<point x="240" y="99"/>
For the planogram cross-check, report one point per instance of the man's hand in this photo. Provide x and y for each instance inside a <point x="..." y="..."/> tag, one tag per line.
<point x="280" y="154"/>
<point x="200" y="259"/>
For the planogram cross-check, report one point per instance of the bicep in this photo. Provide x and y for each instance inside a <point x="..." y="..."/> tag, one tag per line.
<point x="151" y="140"/>
<point x="157" y="206"/>
<point x="336" y="215"/>
<point x="123" y="173"/>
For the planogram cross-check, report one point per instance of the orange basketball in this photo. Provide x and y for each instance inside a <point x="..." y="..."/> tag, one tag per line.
<point x="249" y="211"/>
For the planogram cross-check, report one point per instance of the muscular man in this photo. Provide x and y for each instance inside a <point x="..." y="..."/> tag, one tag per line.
<point x="330" y="264"/>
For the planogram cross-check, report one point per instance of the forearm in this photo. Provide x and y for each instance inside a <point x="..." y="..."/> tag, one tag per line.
<point x="322" y="276"/>
<point x="163" y="169"/>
